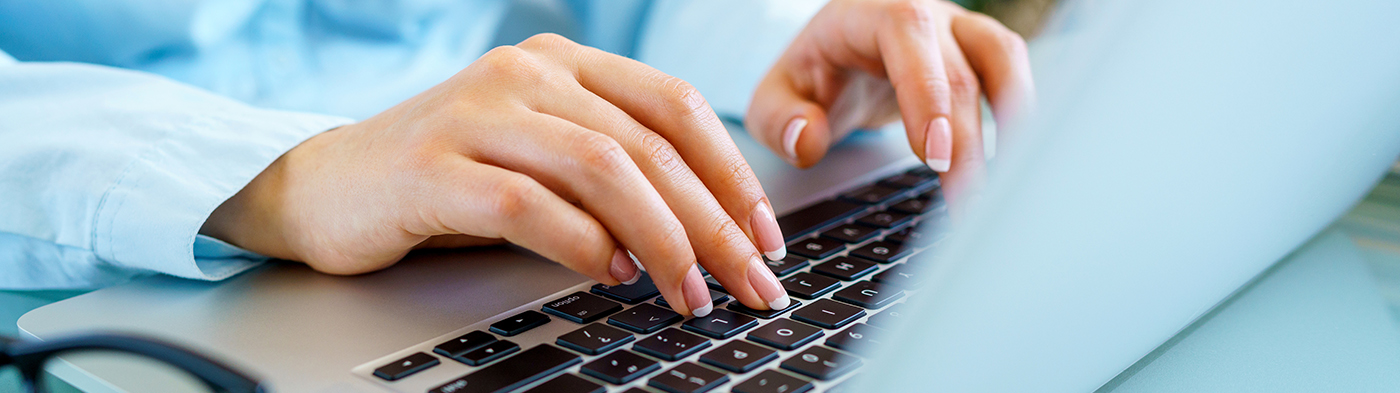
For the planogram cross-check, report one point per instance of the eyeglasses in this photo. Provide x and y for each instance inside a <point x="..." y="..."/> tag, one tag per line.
<point x="176" y="363"/>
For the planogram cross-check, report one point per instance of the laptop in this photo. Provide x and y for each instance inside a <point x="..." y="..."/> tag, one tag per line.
<point x="1181" y="148"/>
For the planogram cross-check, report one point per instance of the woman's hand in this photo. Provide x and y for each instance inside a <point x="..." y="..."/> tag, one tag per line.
<point x="862" y="64"/>
<point x="574" y="153"/>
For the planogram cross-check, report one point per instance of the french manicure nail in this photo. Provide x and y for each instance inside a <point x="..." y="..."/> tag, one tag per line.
<point x="790" y="135"/>
<point x="766" y="284"/>
<point x="938" y="145"/>
<point x="766" y="232"/>
<point x="697" y="294"/>
<point x="623" y="269"/>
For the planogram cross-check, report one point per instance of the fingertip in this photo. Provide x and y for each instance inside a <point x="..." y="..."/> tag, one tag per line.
<point x="938" y="145"/>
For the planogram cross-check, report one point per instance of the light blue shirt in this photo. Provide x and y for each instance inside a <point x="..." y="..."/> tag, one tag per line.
<point x="124" y="123"/>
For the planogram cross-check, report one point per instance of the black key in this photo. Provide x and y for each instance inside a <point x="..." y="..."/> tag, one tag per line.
<point x="645" y="318"/>
<point x="855" y="338"/>
<point x="885" y="219"/>
<point x="923" y="171"/>
<point x="773" y="381"/>
<point x="406" y="366"/>
<point x="851" y="233"/>
<point x="910" y="236"/>
<point x="868" y="294"/>
<point x="488" y="353"/>
<point x="512" y="373"/>
<point x="739" y="356"/>
<point x="620" y="367"/>
<point x="810" y="218"/>
<point x="716" y="297"/>
<point x="765" y="314"/>
<point x="720" y="324"/>
<point x="871" y="194"/>
<point x="810" y="286"/>
<point x="688" y="378"/>
<point x="785" y="334"/>
<point x="828" y="314"/>
<point x="882" y="252"/>
<point x="887" y="319"/>
<point x="567" y="383"/>
<point x="907" y="181"/>
<point x="671" y="344"/>
<point x="466" y="343"/>
<point x="635" y="390"/>
<point x="582" y="307"/>
<point x="638" y="292"/>
<point x="787" y="265"/>
<point x="900" y="275"/>
<point x="846" y="269"/>
<point x="817" y="248"/>
<point x="822" y="363"/>
<point x="519" y="323"/>
<point x="915" y="206"/>
<point x="713" y="283"/>
<point x="595" y="339"/>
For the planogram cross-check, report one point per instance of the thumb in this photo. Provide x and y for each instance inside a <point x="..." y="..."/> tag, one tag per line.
<point x="788" y="121"/>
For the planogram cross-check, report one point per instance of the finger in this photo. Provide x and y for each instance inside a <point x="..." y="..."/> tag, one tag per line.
<point x="785" y="116"/>
<point x="968" y="157"/>
<point x="999" y="58"/>
<point x="913" y="57"/>
<point x="712" y="232"/>
<point x="497" y="203"/>
<point x="595" y="170"/>
<point x="677" y="112"/>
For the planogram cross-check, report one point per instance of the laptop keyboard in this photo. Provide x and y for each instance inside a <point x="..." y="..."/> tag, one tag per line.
<point x="846" y="271"/>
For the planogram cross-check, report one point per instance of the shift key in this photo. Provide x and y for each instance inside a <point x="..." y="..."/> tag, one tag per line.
<point x="810" y="218"/>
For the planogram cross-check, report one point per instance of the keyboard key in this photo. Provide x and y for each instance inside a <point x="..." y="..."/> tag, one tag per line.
<point x="671" y="344"/>
<point x="868" y="294"/>
<point x="595" y="339"/>
<point x="716" y="297"/>
<point x="568" y="383"/>
<point x="855" y="338"/>
<point x="885" y="219"/>
<point x="635" y="390"/>
<point x="688" y="378"/>
<point x="466" y="343"/>
<point x="915" y="206"/>
<point x="765" y="314"/>
<point x="882" y="252"/>
<point x="908" y="181"/>
<point x="923" y="171"/>
<point x="822" y="363"/>
<point x="811" y="218"/>
<point x="787" y="265"/>
<point x="817" y="248"/>
<point x="581" y="307"/>
<point x="406" y="366"/>
<point x="828" y="314"/>
<point x="620" y="367"/>
<point x="512" y="373"/>
<point x="488" y="353"/>
<point x="785" y="334"/>
<point x="773" y="381"/>
<point x="846" y="269"/>
<point x="871" y="194"/>
<point x="900" y="275"/>
<point x="720" y="324"/>
<point x="645" y="318"/>
<point x="738" y="356"/>
<point x="713" y="283"/>
<point x="810" y="286"/>
<point x="851" y="233"/>
<point x="888" y="319"/>
<point x="638" y="292"/>
<point x="519" y="323"/>
<point x="910" y="236"/>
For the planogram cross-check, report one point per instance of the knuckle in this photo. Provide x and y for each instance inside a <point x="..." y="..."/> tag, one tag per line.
<point x="963" y="83"/>
<point x="509" y="62"/>
<point x="681" y="97"/>
<point x="546" y="41"/>
<point x="725" y="235"/>
<point x="910" y="13"/>
<point x="600" y="154"/>
<point x="661" y="154"/>
<point x="512" y="197"/>
<point x="590" y="251"/>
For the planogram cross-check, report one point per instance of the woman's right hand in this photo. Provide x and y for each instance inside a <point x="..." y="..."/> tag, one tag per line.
<point x="571" y="152"/>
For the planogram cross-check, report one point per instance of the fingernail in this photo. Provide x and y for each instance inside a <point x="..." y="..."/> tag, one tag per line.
<point x="790" y="135"/>
<point x="623" y="269"/>
<point x="766" y="284"/>
<point x="697" y="295"/>
<point x="938" y="145"/>
<point x="766" y="232"/>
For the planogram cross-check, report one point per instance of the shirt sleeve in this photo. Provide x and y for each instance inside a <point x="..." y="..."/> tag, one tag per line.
<point x="106" y="173"/>
<point x="722" y="47"/>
